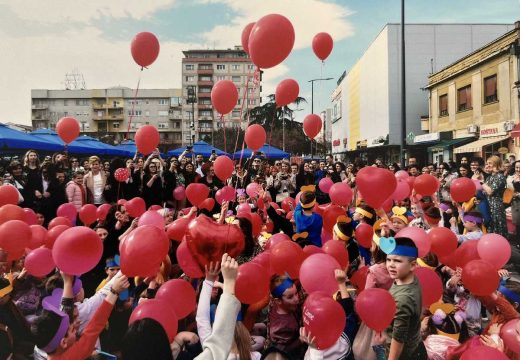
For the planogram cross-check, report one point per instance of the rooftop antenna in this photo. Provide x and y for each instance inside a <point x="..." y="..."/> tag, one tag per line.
<point x="74" y="80"/>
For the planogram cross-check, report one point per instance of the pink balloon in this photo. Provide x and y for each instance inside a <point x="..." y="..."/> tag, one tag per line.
<point x="494" y="249"/>
<point x="102" y="212"/>
<point x="77" y="250"/>
<point x="88" y="214"/>
<point x="152" y="217"/>
<point x="317" y="274"/>
<point x="68" y="210"/>
<point x="160" y="311"/>
<point x="244" y="208"/>
<point x="228" y="193"/>
<point x="419" y="237"/>
<point x="508" y="334"/>
<point x="179" y="193"/>
<point x="275" y="239"/>
<point x="30" y="216"/>
<point x="325" y="184"/>
<point x="402" y="175"/>
<point x="252" y="189"/>
<point x="340" y="194"/>
<point x="402" y="191"/>
<point x="39" y="262"/>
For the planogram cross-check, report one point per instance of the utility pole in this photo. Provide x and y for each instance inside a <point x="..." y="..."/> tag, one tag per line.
<point x="192" y="99"/>
<point x="402" y="143"/>
<point x="312" y="101"/>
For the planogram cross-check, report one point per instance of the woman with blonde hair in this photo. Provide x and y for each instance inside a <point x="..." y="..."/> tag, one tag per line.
<point x="494" y="189"/>
<point x="95" y="181"/>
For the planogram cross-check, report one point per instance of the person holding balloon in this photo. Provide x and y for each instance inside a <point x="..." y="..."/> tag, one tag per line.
<point x="494" y="189"/>
<point x="472" y="227"/>
<point x="305" y="219"/>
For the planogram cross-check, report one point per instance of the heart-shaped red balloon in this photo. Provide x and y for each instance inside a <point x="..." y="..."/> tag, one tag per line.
<point x="376" y="185"/>
<point x="135" y="207"/>
<point x="208" y="241"/>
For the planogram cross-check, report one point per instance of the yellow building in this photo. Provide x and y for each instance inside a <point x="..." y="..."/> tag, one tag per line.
<point x="477" y="99"/>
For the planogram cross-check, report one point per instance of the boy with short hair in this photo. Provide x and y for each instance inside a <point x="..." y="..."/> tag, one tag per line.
<point x="404" y="332"/>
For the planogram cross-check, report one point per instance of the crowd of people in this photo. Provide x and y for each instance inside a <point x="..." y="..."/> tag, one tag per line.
<point x="59" y="316"/>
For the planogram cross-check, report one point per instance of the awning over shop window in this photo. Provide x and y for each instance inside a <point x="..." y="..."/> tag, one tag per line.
<point x="476" y="146"/>
<point x="445" y="144"/>
<point x="516" y="131"/>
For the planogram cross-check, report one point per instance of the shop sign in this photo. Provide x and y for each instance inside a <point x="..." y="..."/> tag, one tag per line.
<point x="377" y="141"/>
<point x="492" y="130"/>
<point x="361" y="144"/>
<point x="336" y="142"/>
<point x="427" y="138"/>
<point x="503" y="150"/>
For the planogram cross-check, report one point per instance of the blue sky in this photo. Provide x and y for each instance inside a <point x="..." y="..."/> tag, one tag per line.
<point x="46" y="39"/>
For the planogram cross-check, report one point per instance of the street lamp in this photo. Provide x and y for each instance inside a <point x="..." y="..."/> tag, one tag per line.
<point x="192" y="99"/>
<point x="312" y="100"/>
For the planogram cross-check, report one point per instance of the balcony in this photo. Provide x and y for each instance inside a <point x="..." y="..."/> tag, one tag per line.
<point x="97" y="106"/>
<point x="119" y="117"/>
<point x="204" y="94"/>
<point x="205" y="83"/>
<point x="205" y="130"/>
<point x="175" y="116"/>
<point x="205" y="72"/>
<point x="40" y="117"/>
<point x="205" y="107"/>
<point x="40" y="107"/>
<point x="205" y="118"/>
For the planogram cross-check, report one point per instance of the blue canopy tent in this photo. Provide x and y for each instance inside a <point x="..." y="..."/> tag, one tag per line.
<point x="199" y="148"/>
<point x="130" y="147"/>
<point x="11" y="139"/>
<point x="269" y="151"/>
<point x="104" y="149"/>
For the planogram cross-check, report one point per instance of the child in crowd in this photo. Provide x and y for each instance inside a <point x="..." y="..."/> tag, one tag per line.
<point x="111" y="269"/>
<point x="306" y="220"/>
<point x="75" y="190"/>
<point x="472" y="224"/>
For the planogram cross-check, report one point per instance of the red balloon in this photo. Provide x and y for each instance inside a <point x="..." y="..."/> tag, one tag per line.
<point x="402" y="175"/>
<point x="9" y="195"/>
<point x="288" y="204"/>
<point x="376" y="308"/>
<point x="402" y="191"/>
<point x="224" y="96"/>
<point x="419" y="237"/>
<point x="462" y="189"/>
<point x="77" y="250"/>
<point x="252" y="189"/>
<point x="276" y="239"/>
<point x="330" y="216"/>
<point x="338" y="251"/>
<point x="370" y="178"/>
<point x="324" y="318"/>
<point x="187" y="262"/>
<point x="364" y="235"/>
<point x="508" y="334"/>
<point x="286" y="92"/>
<point x="431" y="285"/>
<point x="11" y="212"/>
<point x="68" y="211"/>
<point x="155" y="208"/>
<point x="325" y="184"/>
<point x="30" y="216"/>
<point x="39" y="262"/>
<point x="15" y="235"/>
<point x="152" y="217"/>
<point x="340" y="194"/>
<point x="143" y="251"/>
<point x="145" y="48"/>
<point x="179" y="295"/>
<point x="483" y="352"/>
<point x="480" y="278"/>
<point x="160" y="311"/>
<point x="245" y="36"/>
<point x="443" y="241"/>
<point x="228" y="193"/>
<point x="426" y="185"/>
<point x="208" y="241"/>
<point x="312" y="125"/>
<point x="53" y="234"/>
<point x="317" y="273"/>
<point x="264" y="259"/>
<point x="309" y="250"/>
<point x="359" y="278"/>
<point x="207" y="204"/>
<point x="147" y="139"/>
<point x="88" y="214"/>
<point x="67" y="129"/>
<point x="135" y="207"/>
<point x="255" y="137"/>
<point x="248" y="274"/>
<point x="102" y="212"/>
<point x="322" y="44"/>
<point x="197" y="193"/>
<point x="223" y="167"/>
<point x="121" y="174"/>
<point x="60" y="220"/>
<point x="287" y="256"/>
<point x="179" y="193"/>
<point x="256" y="221"/>
<point x="494" y="249"/>
<point x="39" y="234"/>
<point x="465" y="253"/>
<point x="177" y="229"/>
<point x="271" y="40"/>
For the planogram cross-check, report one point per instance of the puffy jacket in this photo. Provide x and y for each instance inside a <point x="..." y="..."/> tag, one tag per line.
<point x="75" y="194"/>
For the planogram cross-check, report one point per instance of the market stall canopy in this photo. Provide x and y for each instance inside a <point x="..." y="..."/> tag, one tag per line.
<point x="199" y="148"/>
<point x="11" y="139"/>
<point x="267" y="150"/>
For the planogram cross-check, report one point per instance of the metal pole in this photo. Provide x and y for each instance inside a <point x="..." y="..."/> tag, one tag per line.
<point x="312" y="105"/>
<point x="193" y="119"/>
<point x="402" y="143"/>
<point x="283" y="133"/>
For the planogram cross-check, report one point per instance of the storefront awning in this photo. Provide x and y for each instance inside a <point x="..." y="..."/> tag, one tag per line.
<point x="445" y="144"/>
<point x="516" y="131"/>
<point x="476" y="146"/>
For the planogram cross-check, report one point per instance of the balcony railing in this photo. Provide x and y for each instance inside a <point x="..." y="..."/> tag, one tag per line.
<point x="205" y="71"/>
<point x="106" y="106"/>
<point x="205" y="82"/>
<point x="204" y="94"/>
<point x="109" y="118"/>
<point x="205" y="107"/>
<point x="40" y="118"/>
<point x="40" y="107"/>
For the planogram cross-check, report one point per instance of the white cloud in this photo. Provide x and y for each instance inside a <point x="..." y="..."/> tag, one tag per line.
<point x="58" y="11"/>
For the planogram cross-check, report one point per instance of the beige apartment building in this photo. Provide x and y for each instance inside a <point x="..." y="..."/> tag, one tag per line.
<point x="107" y="113"/>
<point x="201" y="69"/>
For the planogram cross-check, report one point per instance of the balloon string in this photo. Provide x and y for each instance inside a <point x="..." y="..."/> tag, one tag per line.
<point x="244" y="102"/>
<point x="271" y="130"/>
<point x="118" y="186"/>
<point x="133" y="104"/>
<point x="224" y="127"/>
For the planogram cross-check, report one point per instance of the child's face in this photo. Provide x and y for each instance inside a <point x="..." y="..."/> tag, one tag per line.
<point x="290" y="299"/>
<point x="357" y="216"/>
<point x="78" y="179"/>
<point x="241" y="199"/>
<point x="399" y="267"/>
<point x="398" y="224"/>
<point x="470" y="225"/>
<point x="40" y="219"/>
<point x="111" y="272"/>
<point x="102" y="233"/>
<point x="415" y="213"/>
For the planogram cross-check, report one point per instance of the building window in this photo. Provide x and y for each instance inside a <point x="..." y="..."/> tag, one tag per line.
<point x="490" y="89"/>
<point x="204" y="89"/>
<point x="177" y="136"/>
<point x="205" y="101"/>
<point x="464" y="98"/>
<point x="205" y="78"/>
<point x="205" y="66"/>
<point x="189" y="78"/>
<point x="250" y="67"/>
<point x="236" y="79"/>
<point x="162" y="112"/>
<point x="135" y="112"/>
<point x="251" y="102"/>
<point x="146" y="113"/>
<point x="81" y="102"/>
<point x="443" y="105"/>
<point x="221" y="67"/>
<point x="177" y="125"/>
<point x="189" y="67"/>
<point x="162" y="125"/>
<point x="235" y="113"/>
<point x="163" y="101"/>
<point x="175" y="101"/>
<point x="220" y="77"/>
<point x="235" y="67"/>
<point x="115" y="125"/>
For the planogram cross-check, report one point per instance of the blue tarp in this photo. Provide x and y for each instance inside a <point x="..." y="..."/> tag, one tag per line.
<point x="130" y="148"/>
<point x="82" y="145"/>
<point x="268" y="151"/>
<point x="17" y="140"/>
<point x="199" y="148"/>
